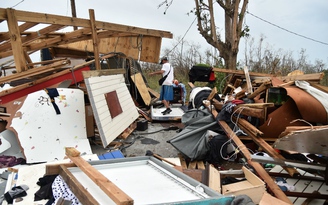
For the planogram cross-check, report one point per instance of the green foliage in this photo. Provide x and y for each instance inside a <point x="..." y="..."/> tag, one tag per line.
<point x="324" y="80"/>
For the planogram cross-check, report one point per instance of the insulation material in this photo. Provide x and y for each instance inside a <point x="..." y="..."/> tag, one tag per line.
<point x="43" y="134"/>
<point x="112" y="105"/>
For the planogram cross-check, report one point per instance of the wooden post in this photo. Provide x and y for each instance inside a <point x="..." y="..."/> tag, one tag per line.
<point x="95" y="39"/>
<point x="73" y="11"/>
<point x="16" y="41"/>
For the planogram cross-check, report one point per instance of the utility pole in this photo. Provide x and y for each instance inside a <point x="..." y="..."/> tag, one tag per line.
<point x="73" y="11"/>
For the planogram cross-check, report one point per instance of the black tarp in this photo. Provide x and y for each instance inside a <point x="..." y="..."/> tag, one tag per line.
<point x="193" y="140"/>
<point x="201" y="74"/>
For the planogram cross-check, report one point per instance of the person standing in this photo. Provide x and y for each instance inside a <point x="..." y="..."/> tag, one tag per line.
<point x="166" y="94"/>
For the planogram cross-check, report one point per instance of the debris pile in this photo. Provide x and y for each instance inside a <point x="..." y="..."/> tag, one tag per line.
<point x="85" y="89"/>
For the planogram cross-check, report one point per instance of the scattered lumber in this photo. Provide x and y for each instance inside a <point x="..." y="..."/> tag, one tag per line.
<point x="258" y="167"/>
<point x="104" y="183"/>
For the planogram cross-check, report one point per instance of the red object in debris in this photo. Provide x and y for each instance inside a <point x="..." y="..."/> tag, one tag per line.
<point x="75" y="76"/>
<point x="237" y="102"/>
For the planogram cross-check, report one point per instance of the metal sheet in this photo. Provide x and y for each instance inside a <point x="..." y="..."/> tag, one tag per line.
<point x="312" y="141"/>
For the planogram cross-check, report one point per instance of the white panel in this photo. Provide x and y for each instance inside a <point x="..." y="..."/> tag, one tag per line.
<point x="145" y="183"/>
<point x="110" y="128"/>
<point x="5" y="145"/>
<point x="43" y="134"/>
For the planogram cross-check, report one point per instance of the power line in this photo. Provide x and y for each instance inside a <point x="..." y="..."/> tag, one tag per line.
<point x="17" y="4"/>
<point x="287" y="29"/>
<point x="182" y="37"/>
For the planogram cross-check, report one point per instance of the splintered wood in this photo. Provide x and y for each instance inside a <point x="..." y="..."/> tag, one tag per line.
<point x="104" y="183"/>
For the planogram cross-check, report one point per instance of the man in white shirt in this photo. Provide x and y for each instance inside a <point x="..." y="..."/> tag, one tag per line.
<point x="166" y="94"/>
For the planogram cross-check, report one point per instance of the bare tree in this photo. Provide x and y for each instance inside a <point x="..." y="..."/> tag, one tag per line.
<point x="233" y="21"/>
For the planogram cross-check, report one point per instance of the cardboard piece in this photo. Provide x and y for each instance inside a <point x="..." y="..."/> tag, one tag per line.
<point x="253" y="186"/>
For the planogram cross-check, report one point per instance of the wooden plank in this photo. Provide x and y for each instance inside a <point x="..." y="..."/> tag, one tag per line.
<point x="35" y="71"/>
<point x="200" y="165"/>
<point x="192" y="165"/>
<point x="258" y="105"/>
<point x="237" y="83"/>
<point x="212" y="94"/>
<point x="254" y="133"/>
<point x="53" y="169"/>
<point x="241" y="73"/>
<point x="113" y="37"/>
<point x="104" y="183"/>
<point x="94" y="38"/>
<point x="227" y="89"/>
<point x="194" y="173"/>
<point x="154" y="93"/>
<point x="182" y="161"/>
<point x="268" y="199"/>
<point x="258" y="167"/>
<point x="306" y="77"/>
<point x="23" y="27"/>
<point x="142" y="88"/>
<point x="128" y="131"/>
<point x="58" y="40"/>
<point x="263" y="87"/>
<point x="240" y="109"/>
<point x="16" y="41"/>
<point x="26" y="16"/>
<point x="214" y="179"/>
<point x="249" y="89"/>
<point x="95" y="73"/>
<point x="76" y="187"/>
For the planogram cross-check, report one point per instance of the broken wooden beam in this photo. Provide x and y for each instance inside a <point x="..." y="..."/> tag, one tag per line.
<point x="264" y="86"/>
<point x="35" y="71"/>
<point x="114" y="192"/>
<point x="307" y="77"/>
<point x="258" y="167"/>
<point x="76" y="187"/>
<point x="256" y="134"/>
<point x="240" y="109"/>
<point x="241" y="73"/>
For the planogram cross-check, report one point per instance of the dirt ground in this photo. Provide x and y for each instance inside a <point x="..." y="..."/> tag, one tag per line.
<point x="154" y="139"/>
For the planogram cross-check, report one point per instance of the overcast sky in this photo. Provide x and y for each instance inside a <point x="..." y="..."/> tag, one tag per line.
<point x="306" y="21"/>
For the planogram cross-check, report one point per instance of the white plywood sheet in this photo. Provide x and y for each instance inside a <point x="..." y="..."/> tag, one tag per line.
<point x="44" y="134"/>
<point x="176" y="114"/>
<point x="144" y="181"/>
<point x="109" y="127"/>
